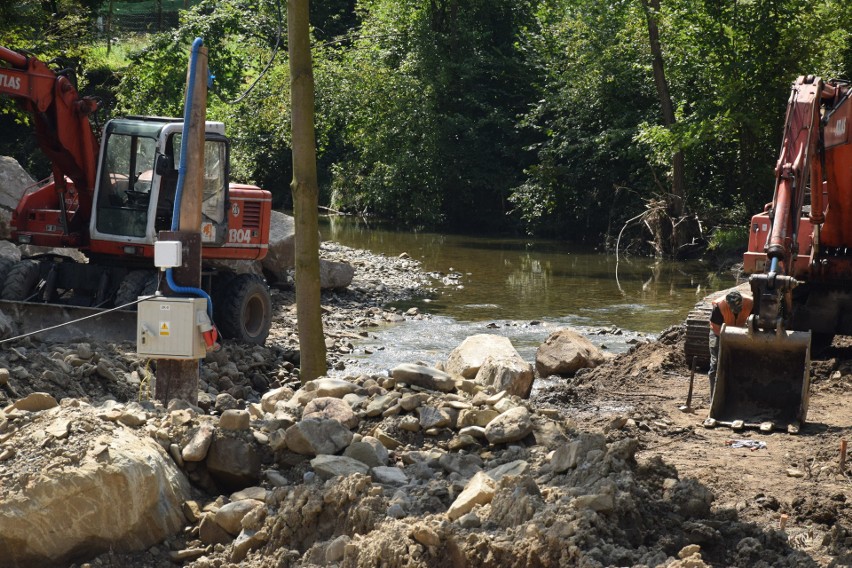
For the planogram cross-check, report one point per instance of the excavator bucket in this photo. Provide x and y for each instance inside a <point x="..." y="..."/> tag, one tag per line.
<point x="762" y="380"/>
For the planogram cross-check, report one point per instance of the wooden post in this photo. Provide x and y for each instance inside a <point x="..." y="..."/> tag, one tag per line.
<point x="177" y="378"/>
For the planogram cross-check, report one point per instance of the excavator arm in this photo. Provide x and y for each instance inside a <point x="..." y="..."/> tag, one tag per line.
<point x="763" y="375"/>
<point x="62" y="128"/>
<point x="796" y="171"/>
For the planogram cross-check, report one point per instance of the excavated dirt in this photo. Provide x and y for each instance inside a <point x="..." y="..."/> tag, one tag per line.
<point x="652" y="486"/>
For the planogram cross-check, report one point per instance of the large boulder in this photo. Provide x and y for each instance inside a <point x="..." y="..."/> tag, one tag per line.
<point x="335" y="275"/>
<point x="102" y="487"/>
<point x="468" y="357"/>
<point x="14" y="180"/>
<point x="281" y="256"/>
<point x="565" y="352"/>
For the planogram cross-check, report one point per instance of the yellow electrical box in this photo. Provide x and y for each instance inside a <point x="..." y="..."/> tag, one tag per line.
<point x="167" y="328"/>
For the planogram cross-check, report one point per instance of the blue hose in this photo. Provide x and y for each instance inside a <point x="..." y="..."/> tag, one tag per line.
<point x="196" y="45"/>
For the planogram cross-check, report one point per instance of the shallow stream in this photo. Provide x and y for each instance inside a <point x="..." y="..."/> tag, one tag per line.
<point x="523" y="289"/>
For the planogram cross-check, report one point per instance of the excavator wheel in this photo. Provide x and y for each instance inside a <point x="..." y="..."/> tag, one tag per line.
<point x="21" y="281"/>
<point x="5" y="264"/>
<point x="245" y="311"/>
<point x="136" y="283"/>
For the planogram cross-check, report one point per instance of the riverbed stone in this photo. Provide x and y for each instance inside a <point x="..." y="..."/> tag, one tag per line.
<point x="235" y="420"/>
<point x="337" y="388"/>
<point x="510" y="426"/>
<point x="478" y="491"/>
<point x="327" y="466"/>
<point x="199" y="444"/>
<point x="431" y="417"/>
<point x="507" y="372"/>
<point x="230" y="516"/>
<point x="315" y="436"/>
<point x="565" y="352"/>
<point x="468" y="357"/>
<point x="389" y="475"/>
<point x="424" y="377"/>
<point x="333" y="408"/>
<point x="35" y="402"/>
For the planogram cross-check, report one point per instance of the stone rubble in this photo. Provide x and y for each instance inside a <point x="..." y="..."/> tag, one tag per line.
<point x="426" y="467"/>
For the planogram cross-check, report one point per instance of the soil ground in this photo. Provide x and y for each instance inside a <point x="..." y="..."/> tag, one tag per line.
<point x="794" y="475"/>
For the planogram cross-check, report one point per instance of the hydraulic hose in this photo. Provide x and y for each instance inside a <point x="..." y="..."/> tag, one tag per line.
<point x="190" y="89"/>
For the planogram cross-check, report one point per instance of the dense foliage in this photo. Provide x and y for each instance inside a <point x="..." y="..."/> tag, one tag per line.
<point x="536" y="116"/>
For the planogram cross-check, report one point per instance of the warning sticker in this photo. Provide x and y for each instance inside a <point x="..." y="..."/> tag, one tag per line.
<point x="164" y="328"/>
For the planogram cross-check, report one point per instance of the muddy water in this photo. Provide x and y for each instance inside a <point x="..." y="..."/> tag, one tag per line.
<point x="523" y="289"/>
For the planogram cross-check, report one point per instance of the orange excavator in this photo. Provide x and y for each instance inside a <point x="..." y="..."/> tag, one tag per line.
<point x="800" y="260"/>
<point x="110" y="198"/>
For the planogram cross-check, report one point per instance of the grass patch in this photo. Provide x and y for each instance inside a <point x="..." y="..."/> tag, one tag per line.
<point x="728" y="240"/>
<point x="117" y="56"/>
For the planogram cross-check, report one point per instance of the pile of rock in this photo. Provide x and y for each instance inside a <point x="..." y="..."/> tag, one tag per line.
<point x="420" y="468"/>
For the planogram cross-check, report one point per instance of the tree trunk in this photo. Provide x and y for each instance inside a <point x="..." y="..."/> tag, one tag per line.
<point x="681" y="233"/>
<point x="305" y="195"/>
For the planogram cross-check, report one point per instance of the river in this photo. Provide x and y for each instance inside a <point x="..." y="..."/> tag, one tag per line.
<point x="523" y="289"/>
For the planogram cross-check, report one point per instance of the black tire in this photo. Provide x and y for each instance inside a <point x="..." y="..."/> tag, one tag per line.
<point x="21" y="281"/>
<point x="136" y="283"/>
<point x="244" y="312"/>
<point x="6" y="264"/>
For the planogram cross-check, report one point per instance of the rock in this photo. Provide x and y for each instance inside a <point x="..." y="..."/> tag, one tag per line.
<point x="334" y="550"/>
<point x="507" y="372"/>
<point x="468" y="357"/>
<point x="35" y="402"/>
<point x="478" y="491"/>
<point x="281" y="255"/>
<point x="14" y="180"/>
<point x="335" y="275"/>
<point x="331" y="408"/>
<point x="424" y="377"/>
<point x="511" y="426"/>
<point x="246" y="541"/>
<point x="513" y="468"/>
<point x="425" y="535"/>
<point x="570" y="455"/>
<point x="389" y="475"/>
<point x="364" y="453"/>
<point x="199" y="444"/>
<point x="601" y="503"/>
<point x="476" y="417"/>
<point x="209" y="532"/>
<point x="235" y="420"/>
<point x="330" y="466"/>
<point x="381" y="403"/>
<point x="271" y="398"/>
<point x="230" y="516"/>
<point x="316" y="436"/>
<point x="84" y="505"/>
<point x="233" y="463"/>
<point x="565" y="352"/>
<point x="411" y="401"/>
<point x="433" y="418"/>
<point x="337" y="388"/>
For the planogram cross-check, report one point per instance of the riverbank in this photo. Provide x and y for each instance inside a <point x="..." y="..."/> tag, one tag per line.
<point x="598" y="470"/>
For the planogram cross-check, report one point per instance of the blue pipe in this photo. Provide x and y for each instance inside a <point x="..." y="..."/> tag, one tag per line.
<point x="774" y="266"/>
<point x="196" y="45"/>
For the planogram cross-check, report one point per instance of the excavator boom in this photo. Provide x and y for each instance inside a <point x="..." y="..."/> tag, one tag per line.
<point x="763" y="376"/>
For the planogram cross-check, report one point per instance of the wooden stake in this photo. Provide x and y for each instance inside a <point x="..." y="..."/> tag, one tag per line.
<point x="783" y="521"/>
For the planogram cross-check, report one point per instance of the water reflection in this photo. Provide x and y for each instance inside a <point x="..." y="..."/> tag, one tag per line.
<point x="520" y="280"/>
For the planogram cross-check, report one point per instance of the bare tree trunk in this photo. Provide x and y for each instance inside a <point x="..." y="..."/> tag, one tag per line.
<point x="681" y="233"/>
<point x="305" y="195"/>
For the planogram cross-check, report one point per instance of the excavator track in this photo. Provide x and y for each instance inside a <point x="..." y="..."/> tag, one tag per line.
<point x="697" y="344"/>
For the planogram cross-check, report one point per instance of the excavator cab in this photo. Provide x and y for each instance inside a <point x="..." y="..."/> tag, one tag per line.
<point x="138" y="177"/>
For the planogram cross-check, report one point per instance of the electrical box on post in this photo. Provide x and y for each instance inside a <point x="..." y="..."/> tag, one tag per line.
<point x="168" y="328"/>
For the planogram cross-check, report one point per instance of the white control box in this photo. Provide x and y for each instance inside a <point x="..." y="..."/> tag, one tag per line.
<point x="167" y="328"/>
<point x="167" y="254"/>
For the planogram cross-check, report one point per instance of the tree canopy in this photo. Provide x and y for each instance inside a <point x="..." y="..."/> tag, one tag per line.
<point x="531" y="116"/>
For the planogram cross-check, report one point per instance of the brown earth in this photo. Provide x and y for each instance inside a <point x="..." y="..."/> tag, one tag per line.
<point x="795" y="475"/>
